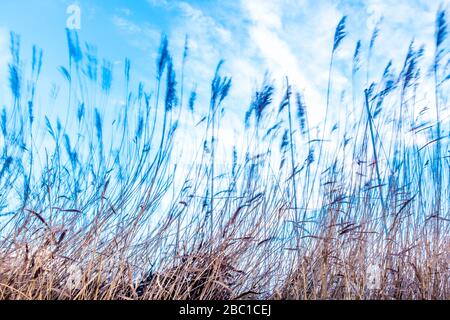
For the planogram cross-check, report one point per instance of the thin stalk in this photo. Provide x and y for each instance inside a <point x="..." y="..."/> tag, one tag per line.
<point x="297" y="218"/>
<point x="372" y="135"/>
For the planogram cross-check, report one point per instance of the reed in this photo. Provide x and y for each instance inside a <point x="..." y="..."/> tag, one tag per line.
<point x="101" y="206"/>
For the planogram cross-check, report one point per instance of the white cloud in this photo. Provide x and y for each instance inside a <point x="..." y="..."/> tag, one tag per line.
<point x="126" y="25"/>
<point x="205" y="21"/>
<point x="265" y="13"/>
<point x="126" y="11"/>
<point x="158" y="2"/>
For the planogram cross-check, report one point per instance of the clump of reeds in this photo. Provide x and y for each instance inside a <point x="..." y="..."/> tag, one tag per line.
<point x="104" y="211"/>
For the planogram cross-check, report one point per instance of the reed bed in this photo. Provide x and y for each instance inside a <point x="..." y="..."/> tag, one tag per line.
<point x="96" y="206"/>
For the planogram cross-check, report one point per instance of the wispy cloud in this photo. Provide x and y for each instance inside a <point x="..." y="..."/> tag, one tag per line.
<point x="159" y="2"/>
<point x="197" y="16"/>
<point x="126" y="25"/>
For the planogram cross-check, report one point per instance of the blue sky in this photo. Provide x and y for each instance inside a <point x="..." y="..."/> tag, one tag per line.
<point x="286" y="37"/>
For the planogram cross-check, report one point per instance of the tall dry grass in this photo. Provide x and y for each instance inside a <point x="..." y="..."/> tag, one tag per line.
<point x="95" y="209"/>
